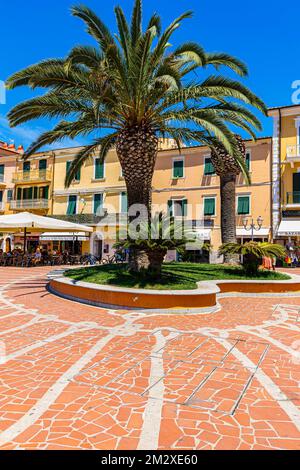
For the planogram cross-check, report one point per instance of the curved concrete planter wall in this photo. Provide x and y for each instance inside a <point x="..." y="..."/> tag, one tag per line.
<point x="204" y="296"/>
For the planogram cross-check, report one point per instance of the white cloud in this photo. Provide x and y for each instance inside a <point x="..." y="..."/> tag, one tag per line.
<point x="25" y="135"/>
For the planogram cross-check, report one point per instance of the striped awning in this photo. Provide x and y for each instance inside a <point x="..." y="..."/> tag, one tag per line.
<point x="64" y="237"/>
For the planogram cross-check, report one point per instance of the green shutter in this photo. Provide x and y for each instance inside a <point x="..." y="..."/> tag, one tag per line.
<point x="10" y="194"/>
<point x="178" y="169"/>
<point x="26" y="166"/>
<point x="124" y="203"/>
<point x="1" y="170"/>
<point x="30" y="193"/>
<point x="243" y="205"/>
<point x="170" y="208"/>
<point x="72" y="205"/>
<point x="209" y="206"/>
<point x="78" y="174"/>
<point x="35" y="193"/>
<point x="98" y="202"/>
<point x="42" y="165"/>
<point x="248" y="161"/>
<point x="99" y="169"/>
<point x="1" y="196"/>
<point x="184" y="207"/>
<point x="208" y="167"/>
<point x="19" y="194"/>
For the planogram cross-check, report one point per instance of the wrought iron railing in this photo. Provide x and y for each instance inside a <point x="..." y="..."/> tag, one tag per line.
<point x="29" y="204"/>
<point x="32" y="175"/>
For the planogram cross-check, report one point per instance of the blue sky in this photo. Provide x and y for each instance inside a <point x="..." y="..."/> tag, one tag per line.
<point x="263" y="33"/>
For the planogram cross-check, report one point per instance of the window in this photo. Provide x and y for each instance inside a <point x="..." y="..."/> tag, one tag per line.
<point x="248" y="160"/>
<point x="178" y="168"/>
<point x="1" y="196"/>
<point x="2" y="172"/>
<point x="124" y="203"/>
<point x="177" y="207"/>
<point x="72" y="205"/>
<point x="208" y="167"/>
<point x="99" y="169"/>
<point x="42" y="167"/>
<point x="98" y="203"/>
<point x="243" y="205"/>
<point x="209" y="206"/>
<point x="10" y="195"/>
<point x="77" y="176"/>
<point x="44" y="192"/>
<point x="26" y="170"/>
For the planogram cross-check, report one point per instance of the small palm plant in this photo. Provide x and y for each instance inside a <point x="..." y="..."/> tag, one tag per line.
<point x="131" y="90"/>
<point x="153" y="240"/>
<point x="252" y="253"/>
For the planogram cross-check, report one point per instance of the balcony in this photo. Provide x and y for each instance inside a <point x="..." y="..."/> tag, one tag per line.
<point x="26" y="204"/>
<point x="32" y="176"/>
<point x="293" y="154"/>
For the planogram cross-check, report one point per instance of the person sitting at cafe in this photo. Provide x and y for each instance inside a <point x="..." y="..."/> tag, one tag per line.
<point x="37" y="256"/>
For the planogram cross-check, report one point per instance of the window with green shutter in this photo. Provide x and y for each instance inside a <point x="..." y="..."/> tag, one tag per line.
<point x="1" y="196"/>
<point x="208" y="167"/>
<point x="72" y="205"/>
<point x="77" y="176"/>
<point x="124" y="203"/>
<point x="248" y="158"/>
<point x="99" y="169"/>
<point x="209" y="206"/>
<point x="243" y="205"/>
<point x="98" y="203"/>
<point x="2" y="172"/>
<point x="10" y="194"/>
<point x="177" y="207"/>
<point x="178" y="169"/>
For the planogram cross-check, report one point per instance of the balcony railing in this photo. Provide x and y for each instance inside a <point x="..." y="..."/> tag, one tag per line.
<point x="293" y="198"/>
<point x="29" y="204"/>
<point x="32" y="175"/>
<point x="293" y="152"/>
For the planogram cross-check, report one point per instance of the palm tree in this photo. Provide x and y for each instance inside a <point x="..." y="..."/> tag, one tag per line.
<point x="228" y="167"/>
<point x="132" y="89"/>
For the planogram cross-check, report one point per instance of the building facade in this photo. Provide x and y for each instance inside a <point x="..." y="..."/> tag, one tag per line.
<point x="286" y="175"/>
<point x="184" y="185"/>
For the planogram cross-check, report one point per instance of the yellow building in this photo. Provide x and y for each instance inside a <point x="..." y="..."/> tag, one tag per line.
<point x="286" y="174"/>
<point x="185" y="181"/>
<point x="8" y="161"/>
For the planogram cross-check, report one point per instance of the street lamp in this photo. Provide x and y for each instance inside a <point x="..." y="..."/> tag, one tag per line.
<point x="251" y="227"/>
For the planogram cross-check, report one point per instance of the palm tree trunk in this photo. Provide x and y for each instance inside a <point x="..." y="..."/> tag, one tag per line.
<point x="137" y="150"/>
<point x="228" y="220"/>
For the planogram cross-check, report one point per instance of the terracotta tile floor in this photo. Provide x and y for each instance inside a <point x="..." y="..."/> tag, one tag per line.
<point x="74" y="376"/>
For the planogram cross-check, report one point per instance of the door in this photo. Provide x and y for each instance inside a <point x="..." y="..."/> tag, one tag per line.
<point x="296" y="188"/>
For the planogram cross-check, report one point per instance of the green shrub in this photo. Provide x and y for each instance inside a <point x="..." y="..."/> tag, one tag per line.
<point x="252" y="253"/>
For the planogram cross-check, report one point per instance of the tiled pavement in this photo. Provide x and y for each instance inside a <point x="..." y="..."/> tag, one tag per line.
<point x="77" y="376"/>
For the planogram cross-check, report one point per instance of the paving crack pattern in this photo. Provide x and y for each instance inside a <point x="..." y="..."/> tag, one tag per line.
<point x="74" y="376"/>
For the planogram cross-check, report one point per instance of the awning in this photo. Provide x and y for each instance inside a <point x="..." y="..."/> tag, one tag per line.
<point x="64" y="237"/>
<point x="289" y="228"/>
<point x="262" y="233"/>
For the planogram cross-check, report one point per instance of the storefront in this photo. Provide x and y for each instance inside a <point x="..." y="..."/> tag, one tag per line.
<point x="75" y="243"/>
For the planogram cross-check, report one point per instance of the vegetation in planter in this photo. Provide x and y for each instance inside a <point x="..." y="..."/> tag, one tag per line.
<point x="154" y="239"/>
<point x="252" y="253"/>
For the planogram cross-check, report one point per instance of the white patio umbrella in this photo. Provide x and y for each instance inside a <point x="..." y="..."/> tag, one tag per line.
<point x="36" y="223"/>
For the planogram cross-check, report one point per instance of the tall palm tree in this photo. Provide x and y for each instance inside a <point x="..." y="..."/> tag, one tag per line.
<point x="228" y="167"/>
<point x="132" y="89"/>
